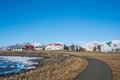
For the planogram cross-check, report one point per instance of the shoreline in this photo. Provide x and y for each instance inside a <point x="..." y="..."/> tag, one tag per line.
<point x="12" y="65"/>
<point x="56" y="66"/>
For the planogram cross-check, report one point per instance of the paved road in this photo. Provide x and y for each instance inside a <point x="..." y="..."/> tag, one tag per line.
<point x="96" y="70"/>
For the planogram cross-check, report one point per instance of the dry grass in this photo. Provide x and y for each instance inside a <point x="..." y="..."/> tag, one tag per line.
<point x="112" y="59"/>
<point x="60" y="66"/>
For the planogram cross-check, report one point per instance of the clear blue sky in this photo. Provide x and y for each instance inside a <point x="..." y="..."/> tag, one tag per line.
<point x="66" y="21"/>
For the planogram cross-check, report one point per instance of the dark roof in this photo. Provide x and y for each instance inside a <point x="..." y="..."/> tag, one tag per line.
<point x="17" y="46"/>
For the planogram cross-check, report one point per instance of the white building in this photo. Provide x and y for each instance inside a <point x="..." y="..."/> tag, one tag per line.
<point x="54" y="46"/>
<point x="106" y="48"/>
<point x="17" y="47"/>
<point x="88" y="46"/>
<point x="113" y="47"/>
<point x="38" y="46"/>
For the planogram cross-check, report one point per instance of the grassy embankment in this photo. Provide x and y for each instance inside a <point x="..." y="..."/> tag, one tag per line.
<point x="59" y="66"/>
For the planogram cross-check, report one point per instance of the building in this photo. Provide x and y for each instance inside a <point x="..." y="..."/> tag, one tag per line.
<point x="76" y="48"/>
<point x="21" y="47"/>
<point x="28" y="47"/>
<point x="54" y="46"/>
<point x="111" y="46"/>
<point x="106" y="48"/>
<point x="88" y="46"/>
<point x="17" y="47"/>
<point x="38" y="46"/>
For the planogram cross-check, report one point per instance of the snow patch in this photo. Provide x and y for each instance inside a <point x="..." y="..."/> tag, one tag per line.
<point x="15" y="64"/>
<point x="22" y="60"/>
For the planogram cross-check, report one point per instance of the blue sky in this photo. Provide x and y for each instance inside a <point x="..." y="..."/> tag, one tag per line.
<point x="66" y="21"/>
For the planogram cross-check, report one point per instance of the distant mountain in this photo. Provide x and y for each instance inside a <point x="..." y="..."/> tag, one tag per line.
<point x="3" y="48"/>
<point x="95" y="43"/>
<point x="116" y="42"/>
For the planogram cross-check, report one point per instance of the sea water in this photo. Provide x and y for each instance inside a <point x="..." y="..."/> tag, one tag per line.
<point x="15" y="64"/>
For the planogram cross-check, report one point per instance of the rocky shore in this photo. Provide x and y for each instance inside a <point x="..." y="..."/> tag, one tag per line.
<point x="56" y="66"/>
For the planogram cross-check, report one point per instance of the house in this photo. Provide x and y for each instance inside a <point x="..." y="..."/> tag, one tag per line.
<point x="29" y="47"/>
<point x="106" y="48"/>
<point x="17" y="47"/>
<point x="54" y="46"/>
<point x="38" y="46"/>
<point x="76" y="48"/>
<point x="21" y="47"/>
<point x="111" y="46"/>
<point x="116" y="44"/>
<point x="88" y="46"/>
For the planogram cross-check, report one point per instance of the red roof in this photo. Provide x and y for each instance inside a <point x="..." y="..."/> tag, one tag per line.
<point x="29" y="47"/>
<point x="58" y="44"/>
